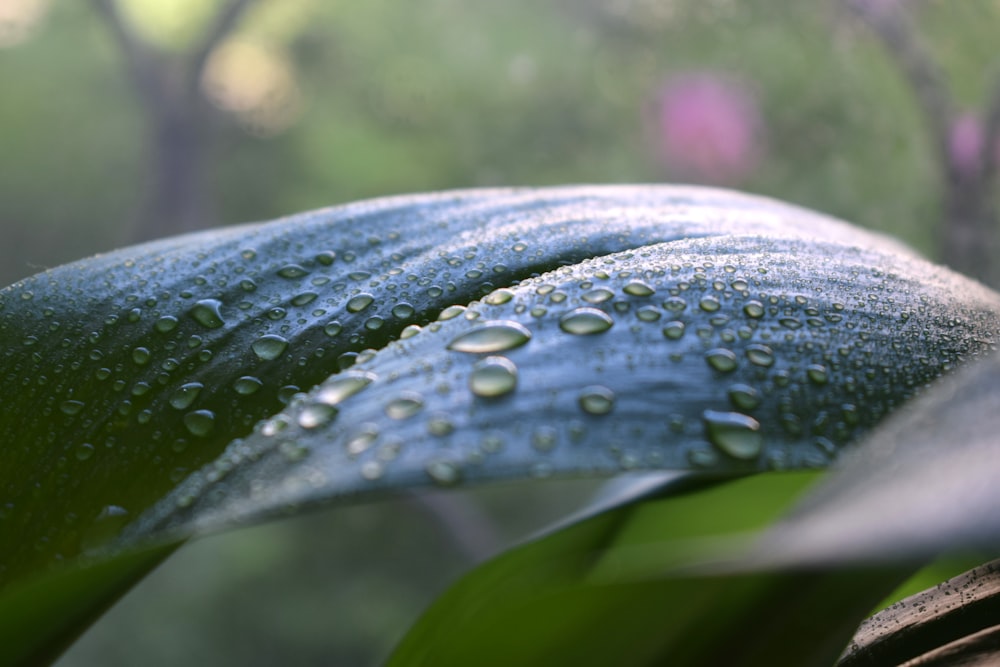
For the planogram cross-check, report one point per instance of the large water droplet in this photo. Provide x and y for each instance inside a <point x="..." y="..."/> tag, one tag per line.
<point x="166" y="324"/>
<point x="343" y="386"/>
<point x="735" y="434"/>
<point x="673" y="330"/>
<point x="817" y="374"/>
<point x="269" y="347"/>
<point x="597" y="400"/>
<point x="638" y="288"/>
<point x="496" y="336"/>
<point x="200" y="422"/>
<point x="493" y="377"/>
<point x="709" y="304"/>
<point x="292" y="271"/>
<point x="359" y="302"/>
<point x="185" y="395"/>
<point x="403" y="311"/>
<point x="315" y="415"/>
<point x="721" y="359"/>
<point x="760" y="355"/>
<point x="754" y="309"/>
<point x="599" y="295"/>
<point x="207" y="313"/>
<point x="585" y="321"/>
<point x="405" y="405"/>
<point x="499" y="297"/>
<point x="141" y="356"/>
<point x="247" y="385"/>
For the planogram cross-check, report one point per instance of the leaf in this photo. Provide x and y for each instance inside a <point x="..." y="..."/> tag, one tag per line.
<point x="744" y="335"/>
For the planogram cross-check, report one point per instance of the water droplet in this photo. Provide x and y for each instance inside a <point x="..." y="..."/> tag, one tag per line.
<point x="496" y="336"/>
<point x="450" y="312"/>
<point x="597" y="400"/>
<point x="493" y="377"/>
<point x="207" y="313"/>
<point x="754" y="309"/>
<point x="444" y="472"/>
<point x="499" y="297"/>
<point x="734" y="433"/>
<point x="709" y="304"/>
<point x="247" y="385"/>
<point x="140" y="356"/>
<point x="673" y="330"/>
<point x="675" y="304"/>
<point x="315" y="415"/>
<point x="269" y="347"/>
<point x="292" y="271"/>
<point x="760" y="355"/>
<point x="817" y="374"/>
<point x="166" y="324"/>
<point x="372" y="470"/>
<point x="790" y="323"/>
<point x="721" y="359"/>
<point x="293" y="451"/>
<point x="343" y="386"/>
<point x="200" y="422"/>
<point x="71" y="407"/>
<point x="648" y="313"/>
<point x="409" y="331"/>
<point x="744" y="397"/>
<point x="304" y="298"/>
<point x="333" y="329"/>
<point x="403" y="311"/>
<point x="544" y="438"/>
<point x="638" y="288"/>
<point x="405" y="405"/>
<point x="585" y="321"/>
<point x="374" y="323"/>
<point x="362" y="440"/>
<point x="185" y="395"/>
<point x="83" y="451"/>
<point x="599" y="295"/>
<point x="440" y="425"/>
<point x="359" y="302"/>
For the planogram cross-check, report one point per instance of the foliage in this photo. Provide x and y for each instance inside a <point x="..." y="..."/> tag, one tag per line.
<point x="155" y="393"/>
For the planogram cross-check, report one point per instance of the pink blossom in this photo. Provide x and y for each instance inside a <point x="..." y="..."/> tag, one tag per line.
<point x="965" y="142"/>
<point x="709" y="128"/>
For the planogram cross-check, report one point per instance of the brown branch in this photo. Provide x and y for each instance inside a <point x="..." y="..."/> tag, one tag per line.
<point x="934" y="99"/>
<point x="224" y="23"/>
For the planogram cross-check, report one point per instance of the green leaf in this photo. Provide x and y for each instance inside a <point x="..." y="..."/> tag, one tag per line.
<point x="649" y="326"/>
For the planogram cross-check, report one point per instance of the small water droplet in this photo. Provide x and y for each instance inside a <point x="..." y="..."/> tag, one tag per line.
<point x="675" y="304"/>
<point x="585" y="321"/>
<point x="333" y="329"/>
<point x="734" y="433"/>
<point x="817" y="374"/>
<point x="744" y="397"/>
<point x="315" y="415"/>
<point x="673" y="330"/>
<point x="359" y="302"/>
<point x="496" y="336"/>
<point x="166" y="324"/>
<point x="444" y="472"/>
<point x="374" y="323"/>
<point x="754" y="309"/>
<point x="409" y="331"/>
<point x="597" y="400"/>
<point x="403" y="311"/>
<point x="499" y="297"/>
<point x="493" y="377"/>
<point x="207" y="313"/>
<point x="405" y="405"/>
<point x="269" y="347"/>
<point x="247" y="385"/>
<point x="304" y="298"/>
<point x="141" y="356"/>
<point x="638" y="288"/>
<point x="362" y="440"/>
<point x="185" y="395"/>
<point x="450" y="312"/>
<point x="292" y="271"/>
<point x="343" y="386"/>
<point x="648" y="313"/>
<point x="721" y="359"/>
<point x="760" y="355"/>
<point x="200" y="422"/>
<point x="83" y="451"/>
<point x="599" y="295"/>
<point x="440" y="425"/>
<point x="71" y="407"/>
<point x="544" y="438"/>
<point x="709" y="304"/>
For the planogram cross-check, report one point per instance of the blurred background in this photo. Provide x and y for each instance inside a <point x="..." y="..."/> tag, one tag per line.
<point x="124" y="120"/>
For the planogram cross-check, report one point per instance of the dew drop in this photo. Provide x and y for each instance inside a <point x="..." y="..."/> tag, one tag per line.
<point x="360" y="443"/>
<point x="166" y="324"/>
<point x="496" y="336"/>
<point x="343" y="386"/>
<point x="648" y="313"/>
<point x="721" y="359"/>
<point x="675" y="304"/>
<point x="493" y="377"/>
<point x="734" y="433"/>
<point x="744" y="397"/>
<point x="499" y="297"/>
<point x="404" y="406"/>
<point x="372" y="470"/>
<point x="292" y="271"/>
<point x="200" y="422"/>
<point x="544" y="438"/>
<point x="709" y="304"/>
<point x="599" y="295"/>
<point x="359" y="302"/>
<point x="638" y="288"/>
<point x="374" y="323"/>
<point x="440" y="425"/>
<point x="450" y="312"/>
<point x="760" y="355"/>
<point x="333" y="329"/>
<point x="817" y="374"/>
<point x="269" y="347"/>
<point x="71" y="407"/>
<point x="207" y="313"/>
<point x="316" y="415"/>
<point x="247" y="385"/>
<point x="754" y="309"/>
<point x="403" y="311"/>
<point x="585" y="321"/>
<point x="673" y="330"/>
<point x="409" y="331"/>
<point x="141" y="356"/>
<point x="444" y="472"/>
<point x="83" y="451"/>
<point x="304" y="298"/>
<point x="597" y="400"/>
<point x="185" y="395"/>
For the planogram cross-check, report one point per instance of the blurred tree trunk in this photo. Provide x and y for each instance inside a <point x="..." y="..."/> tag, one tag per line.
<point x="178" y="196"/>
